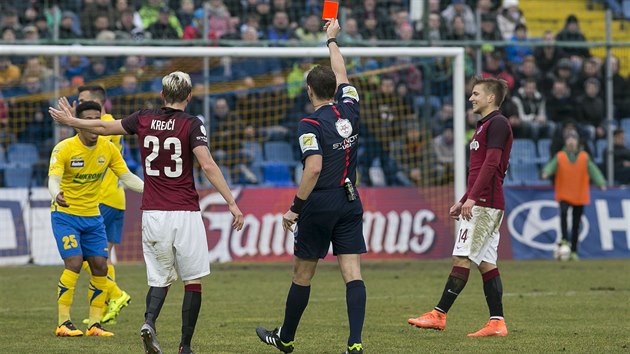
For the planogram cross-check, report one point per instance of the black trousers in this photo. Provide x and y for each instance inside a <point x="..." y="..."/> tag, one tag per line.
<point x="577" y="211"/>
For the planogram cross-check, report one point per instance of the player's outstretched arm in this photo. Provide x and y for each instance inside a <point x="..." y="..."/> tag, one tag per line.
<point x="336" y="59"/>
<point x="63" y="115"/>
<point x="214" y="175"/>
<point x="132" y="182"/>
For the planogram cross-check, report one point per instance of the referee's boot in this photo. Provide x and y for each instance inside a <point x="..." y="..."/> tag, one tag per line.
<point x="149" y="340"/>
<point x="273" y="338"/>
<point x="356" y="348"/>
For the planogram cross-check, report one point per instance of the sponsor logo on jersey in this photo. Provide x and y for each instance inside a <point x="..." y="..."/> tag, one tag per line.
<point x="474" y="145"/>
<point x="350" y="92"/>
<point x="100" y="159"/>
<point x="203" y="130"/>
<point x="83" y="178"/>
<point x="346" y="143"/>
<point x="308" y="141"/>
<point x="77" y="162"/>
<point x="344" y="128"/>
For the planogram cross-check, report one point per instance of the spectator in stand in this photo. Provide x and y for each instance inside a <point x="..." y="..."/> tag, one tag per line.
<point x="98" y="69"/>
<point x="508" y="17"/>
<point x="42" y="27"/>
<point x="126" y="27"/>
<point x="590" y="110"/>
<point x="219" y="20"/>
<point x="290" y="8"/>
<point x="527" y="70"/>
<point x="531" y="110"/>
<point x="621" y="91"/>
<point x="186" y="12"/>
<point x="67" y="27"/>
<point x="262" y="9"/>
<point x="10" y="74"/>
<point x="458" y="8"/>
<point x="569" y="126"/>
<point x="101" y="23"/>
<point x="74" y="65"/>
<point x="150" y="11"/>
<point x="405" y="33"/>
<point x="443" y="148"/>
<point x="435" y="30"/>
<point x="29" y="15"/>
<point x="484" y="7"/>
<point x="280" y="30"/>
<point x="39" y="125"/>
<point x="564" y="72"/>
<point x="350" y="33"/>
<point x="571" y="33"/>
<point x="311" y="31"/>
<point x="590" y="70"/>
<point x="123" y="6"/>
<point x="520" y="129"/>
<point x="516" y="52"/>
<point x="30" y="34"/>
<point x="11" y="20"/>
<point x="621" y="158"/>
<point x="412" y="154"/>
<point x="441" y="119"/>
<point x="373" y="22"/>
<point x="90" y="14"/>
<point x="494" y="68"/>
<point x="560" y="104"/>
<point x="162" y="28"/>
<point x="458" y="30"/>
<point x="35" y="67"/>
<point x="489" y="29"/>
<point x="8" y="35"/>
<point x="548" y="56"/>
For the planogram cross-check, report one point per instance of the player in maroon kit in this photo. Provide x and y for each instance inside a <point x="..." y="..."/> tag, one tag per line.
<point x="173" y="234"/>
<point x="481" y="209"/>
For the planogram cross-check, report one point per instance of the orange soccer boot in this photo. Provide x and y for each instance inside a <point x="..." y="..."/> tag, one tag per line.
<point x="494" y="328"/>
<point x="432" y="320"/>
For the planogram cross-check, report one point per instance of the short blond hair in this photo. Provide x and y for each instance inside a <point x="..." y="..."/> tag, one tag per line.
<point x="176" y="87"/>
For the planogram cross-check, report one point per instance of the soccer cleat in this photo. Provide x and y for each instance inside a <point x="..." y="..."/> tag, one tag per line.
<point x="97" y="331"/>
<point x="431" y="320"/>
<point x="114" y="307"/>
<point x="272" y="338"/>
<point x="110" y="322"/>
<point x="574" y="256"/>
<point x="67" y="329"/>
<point x="149" y="340"/>
<point x="183" y="349"/>
<point x="355" y="348"/>
<point x="494" y="328"/>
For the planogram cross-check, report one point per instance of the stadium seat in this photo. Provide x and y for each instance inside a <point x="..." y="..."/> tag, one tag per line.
<point x="25" y="154"/>
<point x="523" y="150"/>
<point x="277" y="174"/>
<point x="527" y="173"/>
<point x="3" y="159"/>
<point x="253" y="149"/>
<point x="543" y="150"/>
<point x="279" y="151"/>
<point x="17" y="176"/>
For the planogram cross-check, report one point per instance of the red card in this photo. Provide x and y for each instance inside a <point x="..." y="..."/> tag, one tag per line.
<point x="330" y="9"/>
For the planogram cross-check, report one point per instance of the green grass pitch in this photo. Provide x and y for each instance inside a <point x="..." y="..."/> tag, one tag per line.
<point x="572" y="307"/>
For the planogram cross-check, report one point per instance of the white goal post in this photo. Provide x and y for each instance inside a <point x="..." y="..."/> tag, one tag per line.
<point x="457" y="53"/>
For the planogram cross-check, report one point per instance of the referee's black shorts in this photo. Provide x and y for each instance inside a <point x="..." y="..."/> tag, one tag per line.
<point x="328" y="216"/>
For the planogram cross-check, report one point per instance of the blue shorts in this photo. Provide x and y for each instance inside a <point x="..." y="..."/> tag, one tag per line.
<point x="113" y="219"/>
<point x="79" y="235"/>
<point x="328" y="216"/>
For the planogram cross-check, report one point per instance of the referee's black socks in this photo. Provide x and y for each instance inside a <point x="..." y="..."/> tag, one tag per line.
<point x="155" y="300"/>
<point x="355" y="300"/>
<point x="297" y="300"/>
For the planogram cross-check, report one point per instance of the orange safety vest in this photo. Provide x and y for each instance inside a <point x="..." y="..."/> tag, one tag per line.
<point x="572" y="180"/>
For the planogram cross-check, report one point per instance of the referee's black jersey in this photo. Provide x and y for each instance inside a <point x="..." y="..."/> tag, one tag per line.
<point x="333" y="132"/>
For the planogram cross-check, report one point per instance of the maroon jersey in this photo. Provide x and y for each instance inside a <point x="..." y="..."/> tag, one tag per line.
<point x="166" y="138"/>
<point x="493" y="131"/>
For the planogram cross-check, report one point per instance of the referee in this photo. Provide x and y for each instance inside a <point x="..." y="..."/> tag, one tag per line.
<point x="327" y="207"/>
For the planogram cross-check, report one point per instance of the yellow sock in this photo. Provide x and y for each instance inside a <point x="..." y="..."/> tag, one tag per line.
<point x="111" y="272"/>
<point x="114" y="290"/>
<point x="86" y="267"/>
<point x="97" y="293"/>
<point x="65" y="294"/>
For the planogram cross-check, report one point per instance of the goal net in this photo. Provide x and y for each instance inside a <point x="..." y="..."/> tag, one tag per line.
<point x="412" y="136"/>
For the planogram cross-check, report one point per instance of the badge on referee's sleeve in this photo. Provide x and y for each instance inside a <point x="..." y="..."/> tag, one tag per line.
<point x="308" y="141"/>
<point x="350" y="92"/>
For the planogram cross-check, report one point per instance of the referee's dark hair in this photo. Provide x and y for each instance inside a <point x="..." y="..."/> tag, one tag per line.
<point x="97" y="91"/>
<point x="322" y="81"/>
<point x="87" y="106"/>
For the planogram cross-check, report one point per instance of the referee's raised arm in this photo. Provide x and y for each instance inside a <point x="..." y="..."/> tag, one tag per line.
<point x="336" y="60"/>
